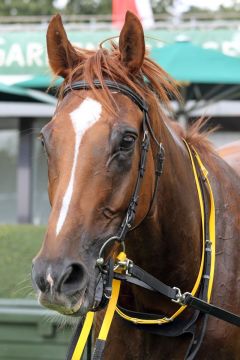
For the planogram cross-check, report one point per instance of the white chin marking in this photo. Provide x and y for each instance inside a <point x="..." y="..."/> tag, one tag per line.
<point x="87" y="114"/>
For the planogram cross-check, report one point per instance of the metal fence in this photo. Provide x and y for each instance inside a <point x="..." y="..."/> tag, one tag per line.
<point x="29" y="332"/>
<point x="198" y="20"/>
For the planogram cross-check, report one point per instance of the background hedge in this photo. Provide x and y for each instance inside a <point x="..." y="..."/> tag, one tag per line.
<point x="18" y="245"/>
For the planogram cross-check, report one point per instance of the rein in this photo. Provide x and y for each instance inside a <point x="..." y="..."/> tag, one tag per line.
<point x="123" y="269"/>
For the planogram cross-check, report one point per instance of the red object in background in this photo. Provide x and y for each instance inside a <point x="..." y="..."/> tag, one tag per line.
<point x="141" y="8"/>
<point x="119" y="9"/>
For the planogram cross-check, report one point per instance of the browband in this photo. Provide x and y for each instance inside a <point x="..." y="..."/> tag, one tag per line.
<point x="112" y="85"/>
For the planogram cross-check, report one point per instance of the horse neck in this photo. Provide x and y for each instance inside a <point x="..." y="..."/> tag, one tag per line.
<point x="168" y="242"/>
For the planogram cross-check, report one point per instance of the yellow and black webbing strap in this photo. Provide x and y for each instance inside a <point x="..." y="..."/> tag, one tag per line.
<point x="74" y="341"/>
<point x="82" y="332"/>
<point x="79" y="345"/>
<point x="212" y="225"/>
<point x="212" y="239"/>
<point x="112" y="306"/>
<point x="101" y="340"/>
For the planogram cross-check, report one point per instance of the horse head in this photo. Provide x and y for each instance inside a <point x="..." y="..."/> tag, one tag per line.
<point x="93" y="145"/>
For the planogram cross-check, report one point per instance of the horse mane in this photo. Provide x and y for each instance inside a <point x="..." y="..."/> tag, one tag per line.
<point x="106" y="64"/>
<point x="196" y="135"/>
<point x="151" y="79"/>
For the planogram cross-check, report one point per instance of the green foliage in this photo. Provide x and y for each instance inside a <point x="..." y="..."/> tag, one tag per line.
<point x="162" y="6"/>
<point x="199" y="11"/>
<point x="97" y="7"/>
<point x="18" y="245"/>
<point x="223" y="12"/>
<point x="93" y="7"/>
<point x="26" y="7"/>
<point x="90" y="7"/>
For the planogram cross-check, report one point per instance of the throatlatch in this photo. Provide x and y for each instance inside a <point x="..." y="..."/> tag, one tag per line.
<point x="114" y="271"/>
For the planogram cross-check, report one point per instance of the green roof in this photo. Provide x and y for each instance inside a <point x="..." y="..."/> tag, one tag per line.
<point x="191" y="63"/>
<point x="185" y="61"/>
<point x="31" y="93"/>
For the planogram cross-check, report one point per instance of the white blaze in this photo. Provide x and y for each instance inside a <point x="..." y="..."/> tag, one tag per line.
<point x="87" y="114"/>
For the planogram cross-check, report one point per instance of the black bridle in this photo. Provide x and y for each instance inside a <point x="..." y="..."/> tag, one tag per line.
<point x="135" y="274"/>
<point x="128" y="221"/>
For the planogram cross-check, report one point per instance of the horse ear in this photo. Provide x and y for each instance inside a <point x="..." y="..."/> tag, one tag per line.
<point x="61" y="54"/>
<point x="131" y="43"/>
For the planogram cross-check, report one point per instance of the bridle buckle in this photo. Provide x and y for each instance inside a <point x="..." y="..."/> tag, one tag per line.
<point x="180" y="298"/>
<point x="124" y="266"/>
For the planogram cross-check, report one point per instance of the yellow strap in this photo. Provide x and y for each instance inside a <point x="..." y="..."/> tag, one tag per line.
<point x="212" y="239"/>
<point x="110" y="310"/>
<point x="105" y="325"/>
<point x="201" y="203"/>
<point x="83" y="336"/>
<point x="121" y="256"/>
<point x="212" y="226"/>
<point x="112" y="306"/>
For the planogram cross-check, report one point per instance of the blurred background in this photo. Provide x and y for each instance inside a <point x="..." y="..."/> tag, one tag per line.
<point x="196" y="41"/>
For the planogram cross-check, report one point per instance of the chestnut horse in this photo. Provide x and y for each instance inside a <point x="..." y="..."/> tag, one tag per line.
<point x="231" y="154"/>
<point x="93" y="148"/>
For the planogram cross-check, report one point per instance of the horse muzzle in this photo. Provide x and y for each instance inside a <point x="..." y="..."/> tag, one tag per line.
<point x="62" y="285"/>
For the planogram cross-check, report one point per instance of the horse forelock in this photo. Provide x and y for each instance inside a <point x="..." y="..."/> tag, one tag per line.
<point x="151" y="82"/>
<point x="106" y="64"/>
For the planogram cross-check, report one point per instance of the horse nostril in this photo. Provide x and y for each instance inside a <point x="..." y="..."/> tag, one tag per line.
<point x="39" y="281"/>
<point x="42" y="285"/>
<point x="74" y="279"/>
<point x="58" y="277"/>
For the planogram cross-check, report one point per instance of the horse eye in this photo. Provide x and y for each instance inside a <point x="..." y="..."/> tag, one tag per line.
<point x="127" y="142"/>
<point x="43" y="145"/>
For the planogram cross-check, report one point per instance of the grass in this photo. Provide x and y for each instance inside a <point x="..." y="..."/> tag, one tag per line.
<point x="18" y="245"/>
